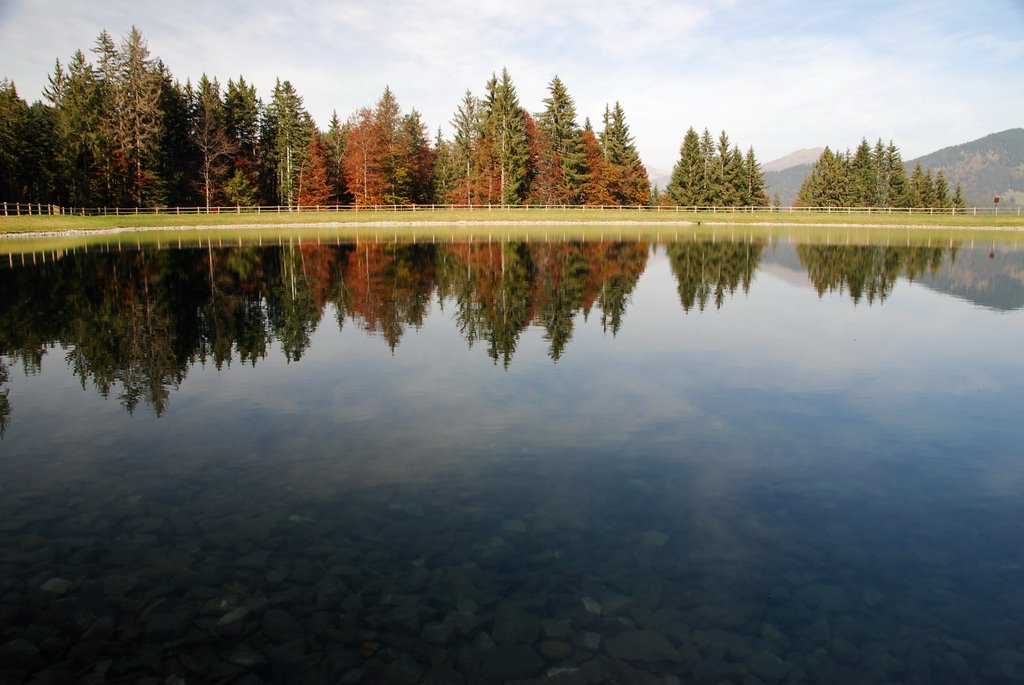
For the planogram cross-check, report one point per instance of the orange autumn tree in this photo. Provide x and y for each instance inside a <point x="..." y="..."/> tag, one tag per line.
<point x="362" y="160"/>
<point x="314" y="186"/>
<point x="388" y="159"/>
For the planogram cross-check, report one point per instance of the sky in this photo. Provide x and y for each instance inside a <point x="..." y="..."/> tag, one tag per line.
<point x="777" y="75"/>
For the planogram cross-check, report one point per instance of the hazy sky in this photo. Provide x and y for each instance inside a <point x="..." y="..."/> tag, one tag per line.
<point x="774" y="74"/>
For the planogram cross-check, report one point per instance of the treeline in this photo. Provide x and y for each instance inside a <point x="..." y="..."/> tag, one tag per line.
<point x="875" y="177"/>
<point x="120" y="131"/>
<point x="713" y="173"/>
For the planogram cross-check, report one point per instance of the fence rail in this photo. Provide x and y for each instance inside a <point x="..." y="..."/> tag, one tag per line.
<point x="33" y="209"/>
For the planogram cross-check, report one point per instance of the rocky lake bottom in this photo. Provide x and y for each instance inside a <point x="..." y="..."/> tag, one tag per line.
<point x="533" y="464"/>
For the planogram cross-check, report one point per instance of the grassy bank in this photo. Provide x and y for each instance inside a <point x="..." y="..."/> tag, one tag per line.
<point x="33" y="247"/>
<point x="63" y="224"/>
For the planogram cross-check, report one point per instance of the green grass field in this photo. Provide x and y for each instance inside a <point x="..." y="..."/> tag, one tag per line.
<point x="49" y="224"/>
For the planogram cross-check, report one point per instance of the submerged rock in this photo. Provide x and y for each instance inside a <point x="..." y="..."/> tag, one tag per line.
<point x="641" y="645"/>
<point x="511" y="661"/>
<point x="513" y="623"/>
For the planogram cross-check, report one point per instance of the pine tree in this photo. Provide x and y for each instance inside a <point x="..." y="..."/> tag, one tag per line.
<point x="898" y="191"/>
<point x="958" y="198"/>
<point x="335" y="141"/>
<point x="564" y="151"/>
<point x="242" y="114"/>
<point x="13" y="119"/>
<point x="417" y="158"/>
<point x="735" y="183"/>
<point x="211" y="139"/>
<point x="756" y="194"/>
<point x="468" y="125"/>
<point x="137" y="117"/>
<point x="828" y="183"/>
<point x="942" y="199"/>
<point x="75" y="96"/>
<point x="922" y="188"/>
<point x="863" y="177"/>
<point x="446" y="171"/>
<point x="708" y="185"/>
<point x="506" y="136"/>
<point x="684" y="188"/>
<point x="632" y="186"/>
<point x="285" y="136"/>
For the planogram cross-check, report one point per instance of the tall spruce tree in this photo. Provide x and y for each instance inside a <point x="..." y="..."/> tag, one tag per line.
<point x="564" y="151"/>
<point x="468" y="128"/>
<point x="13" y="122"/>
<point x="285" y="135"/>
<point x="756" y="194"/>
<point x="863" y="191"/>
<point x="506" y="136"/>
<point x="211" y="139"/>
<point x="684" y="188"/>
<point x="631" y="186"/>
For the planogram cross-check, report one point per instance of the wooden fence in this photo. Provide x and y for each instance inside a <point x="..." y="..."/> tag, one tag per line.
<point x="32" y="209"/>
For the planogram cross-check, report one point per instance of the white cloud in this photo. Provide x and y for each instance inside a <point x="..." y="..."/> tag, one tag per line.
<point x="776" y="75"/>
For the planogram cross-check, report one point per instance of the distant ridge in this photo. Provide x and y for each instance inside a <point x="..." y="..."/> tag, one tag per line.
<point x="800" y="157"/>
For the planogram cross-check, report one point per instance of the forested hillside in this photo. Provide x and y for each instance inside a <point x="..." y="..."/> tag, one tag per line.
<point x="986" y="168"/>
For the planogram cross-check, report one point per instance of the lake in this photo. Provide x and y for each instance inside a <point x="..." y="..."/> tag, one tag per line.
<point x="728" y="457"/>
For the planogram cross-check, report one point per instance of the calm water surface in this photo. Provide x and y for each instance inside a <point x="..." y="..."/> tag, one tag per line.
<point x="703" y="461"/>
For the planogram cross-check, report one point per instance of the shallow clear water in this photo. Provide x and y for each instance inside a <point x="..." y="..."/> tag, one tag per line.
<point x="565" y="462"/>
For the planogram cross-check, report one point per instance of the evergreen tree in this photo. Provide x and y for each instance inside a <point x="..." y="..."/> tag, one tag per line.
<point x="922" y="188"/>
<point x="285" y="135"/>
<point x="958" y="198"/>
<point x="469" y="126"/>
<point x="446" y="170"/>
<point x="564" y="150"/>
<point x="709" y="182"/>
<point x="335" y="142"/>
<point x="898" y="188"/>
<point x="417" y="158"/>
<point x="75" y="96"/>
<point x="242" y="114"/>
<point x="735" y="184"/>
<point x="756" y="194"/>
<point x="684" y="188"/>
<point x="13" y="122"/>
<point x="828" y="183"/>
<point x="136" y="119"/>
<point x="177" y="165"/>
<point x="632" y="186"/>
<point x="863" y="177"/>
<point x="506" y="136"/>
<point x="211" y="139"/>
<point x="942" y="198"/>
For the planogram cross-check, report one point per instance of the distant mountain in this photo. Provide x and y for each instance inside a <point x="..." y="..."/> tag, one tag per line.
<point x="989" y="167"/>
<point x="800" y="157"/>
<point x="786" y="182"/>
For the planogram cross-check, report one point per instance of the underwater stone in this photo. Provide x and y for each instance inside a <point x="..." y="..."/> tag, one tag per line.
<point x="511" y="661"/>
<point x="641" y="645"/>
